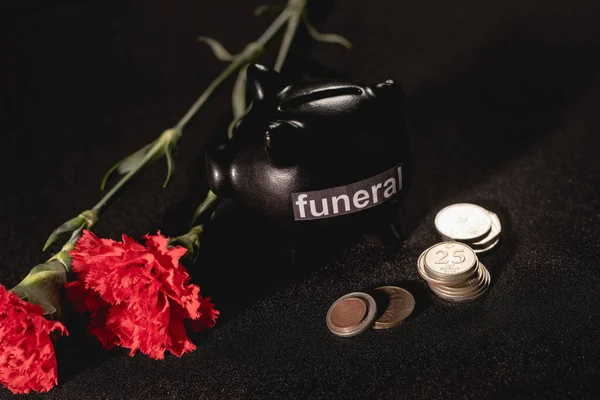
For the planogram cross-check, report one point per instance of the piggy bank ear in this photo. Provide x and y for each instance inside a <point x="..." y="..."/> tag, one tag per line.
<point x="282" y="143"/>
<point x="263" y="82"/>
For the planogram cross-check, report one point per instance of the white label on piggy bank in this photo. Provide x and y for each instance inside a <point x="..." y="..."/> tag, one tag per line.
<point x="348" y="199"/>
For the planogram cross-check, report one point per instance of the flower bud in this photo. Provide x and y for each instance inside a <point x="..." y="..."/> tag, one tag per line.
<point x="43" y="286"/>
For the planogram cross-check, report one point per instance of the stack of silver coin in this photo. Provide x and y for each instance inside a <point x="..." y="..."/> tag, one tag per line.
<point x="453" y="271"/>
<point x="470" y="224"/>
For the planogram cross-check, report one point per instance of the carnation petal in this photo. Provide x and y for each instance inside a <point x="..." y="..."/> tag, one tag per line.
<point x="139" y="296"/>
<point x="208" y="315"/>
<point x="180" y="342"/>
<point x="27" y="358"/>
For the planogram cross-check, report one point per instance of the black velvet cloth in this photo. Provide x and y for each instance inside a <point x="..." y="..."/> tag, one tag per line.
<point x="504" y="109"/>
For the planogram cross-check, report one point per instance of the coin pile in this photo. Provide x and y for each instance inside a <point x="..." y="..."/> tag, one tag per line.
<point x="470" y="224"/>
<point x="355" y="312"/>
<point x="453" y="271"/>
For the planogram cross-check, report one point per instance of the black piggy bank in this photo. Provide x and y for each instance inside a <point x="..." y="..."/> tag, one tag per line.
<point x="330" y="154"/>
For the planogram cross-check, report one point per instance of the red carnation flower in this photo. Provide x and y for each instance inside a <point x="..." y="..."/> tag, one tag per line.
<point x="27" y="358"/>
<point x="138" y="297"/>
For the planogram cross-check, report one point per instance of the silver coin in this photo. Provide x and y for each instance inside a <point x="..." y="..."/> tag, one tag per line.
<point x="492" y="236"/>
<point x="448" y="282"/>
<point x="450" y="261"/>
<point x="467" y="287"/>
<point x="481" y="289"/>
<point x="463" y="222"/>
<point x="421" y="270"/>
<point x="359" y="327"/>
<point x="452" y="297"/>
<point x="489" y="247"/>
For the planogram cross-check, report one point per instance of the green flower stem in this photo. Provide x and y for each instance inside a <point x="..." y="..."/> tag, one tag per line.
<point x="248" y="55"/>
<point x="239" y="61"/>
<point x="169" y="138"/>
<point x="272" y="30"/>
<point x="295" y="10"/>
<point x="63" y="255"/>
<point x="293" y="13"/>
<point x="231" y="69"/>
<point x="44" y="282"/>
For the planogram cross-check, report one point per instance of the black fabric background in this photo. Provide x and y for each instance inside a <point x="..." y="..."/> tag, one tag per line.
<point x="504" y="110"/>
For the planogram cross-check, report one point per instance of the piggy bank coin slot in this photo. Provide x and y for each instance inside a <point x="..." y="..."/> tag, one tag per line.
<point x="319" y="95"/>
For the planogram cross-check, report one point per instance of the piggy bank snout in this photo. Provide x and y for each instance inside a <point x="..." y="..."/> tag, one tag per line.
<point x="389" y="91"/>
<point x="282" y="143"/>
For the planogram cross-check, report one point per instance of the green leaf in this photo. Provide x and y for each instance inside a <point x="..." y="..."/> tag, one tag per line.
<point x="68" y="226"/>
<point x="183" y="241"/>
<point x="325" y="37"/>
<point x="126" y="164"/>
<point x="170" y="163"/>
<point x="85" y="220"/>
<point x="209" y="204"/>
<point x="233" y="124"/>
<point x="108" y="174"/>
<point x="191" y="242"/>
<point x="238" y="96"/>
<point x="133" y="160"/>
<point x="218" y="50"/>
<point x="260" y="10"/>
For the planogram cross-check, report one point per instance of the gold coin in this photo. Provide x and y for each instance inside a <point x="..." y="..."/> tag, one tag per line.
<point x="400" y="306"/>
